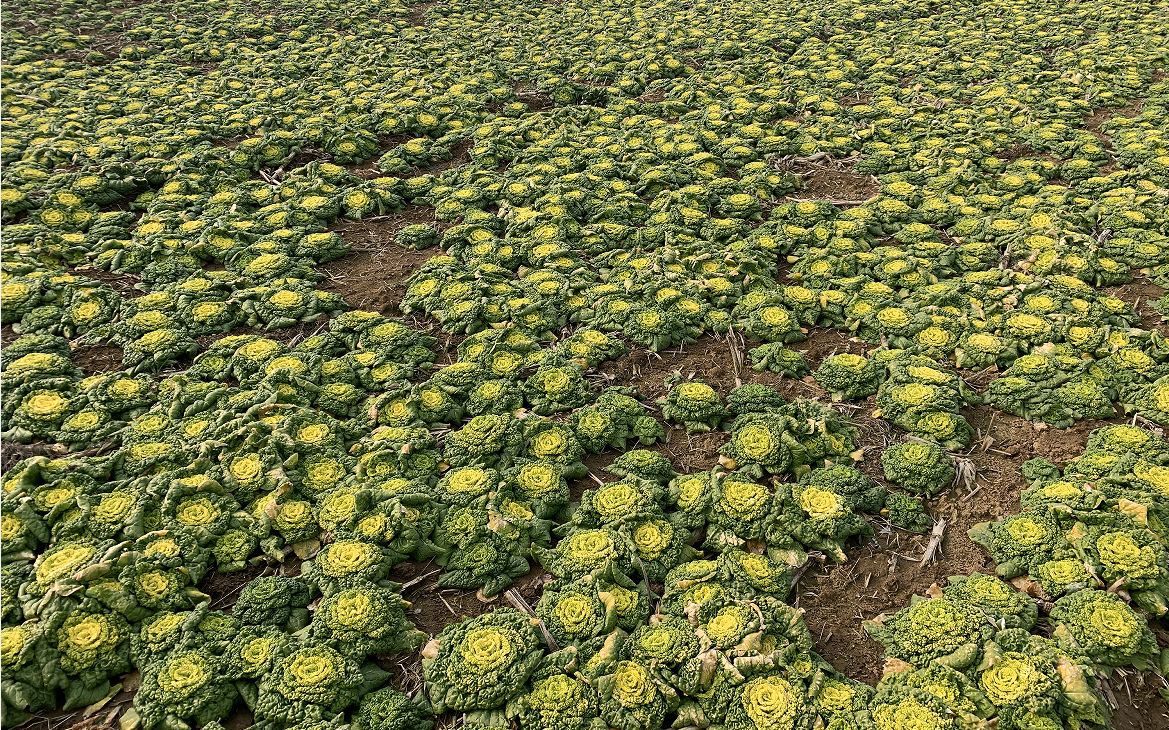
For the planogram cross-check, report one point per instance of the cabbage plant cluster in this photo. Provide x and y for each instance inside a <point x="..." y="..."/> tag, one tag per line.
<point x="1089" y="545"/>
<point x="638" y="629"/>
<point x="967" y="654"/>
<point x="174" y="178"/>
<point x="1097" y="523"/>
<point x="624" y="189"/>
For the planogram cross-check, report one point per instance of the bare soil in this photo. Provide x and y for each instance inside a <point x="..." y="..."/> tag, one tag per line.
<point x="857" y="99"/>
<point x="1142" y="294"/>
<point x="1136" y="702"/>
<point x="374" y="275"/>
<point x="460" y="154"/>
<point x="432" y="609"/>
<point x="710" y="360"/>
<point x="11" y="453"/>
<point x="417" y="13"/>
<point x="880" y="575"/>
<point x="95" y="359"/>
<point x="1099" y="117"/>
<point x="124" y="284"/>
<point x="832" y="180"/>
<point x="536" y="100"/>
<point x="883" y="573"/>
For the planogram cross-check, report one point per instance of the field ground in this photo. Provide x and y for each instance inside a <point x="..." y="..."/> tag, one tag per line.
<point x="882" y="573"/>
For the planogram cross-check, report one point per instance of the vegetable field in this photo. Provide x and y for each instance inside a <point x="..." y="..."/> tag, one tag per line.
<point x="585" y="365"/>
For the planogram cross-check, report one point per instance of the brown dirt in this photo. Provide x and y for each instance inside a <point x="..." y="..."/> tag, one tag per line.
<point x="1100" y="116"/>
<point x="1142" y="294"/>
<point x="1017" y="152"/>
<point x="881" y="575"/>
<point x="417" y="13"/>
<point x="369" y="168"/>
<point x="11" y="453"/>
<point x="230" y="143"/>
<point x="596" y="464"/>
<point x="224" y="587"/>
<point x="651" y="97"/>
<point x="460" y="155"/>
<point x="106" y="719"/>
<point x="434" y="608"/>
<point x="95" y="359"/>
<point x="536" y="100"/>
<point x="710" y="360"/>
<point x="1138" y="704"/>
<point x="241" y="719"/>
<point x="366" y="170"/>
<point x="373" y="275"/>
<point x="843" y="186"/>
<point x="124" y="284"/>
<point x="692" y="452"/>
<point x="831" y="180"/>
<point x="688" y="452"/>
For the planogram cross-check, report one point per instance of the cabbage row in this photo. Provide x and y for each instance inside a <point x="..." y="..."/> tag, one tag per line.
<point x="175" y="178"/>
<point x="720" y="648"/>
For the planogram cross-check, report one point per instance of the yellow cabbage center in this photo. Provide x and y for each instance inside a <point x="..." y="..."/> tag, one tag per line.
<point x="821" y="504"/>
<point x="86" y="635"/>
<point x="309" y="669"/>
<point x="486" y="648"/>
<point x="64" y="561"/>
<point x="182" y="673"/>
<point x="769" y="702"/>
